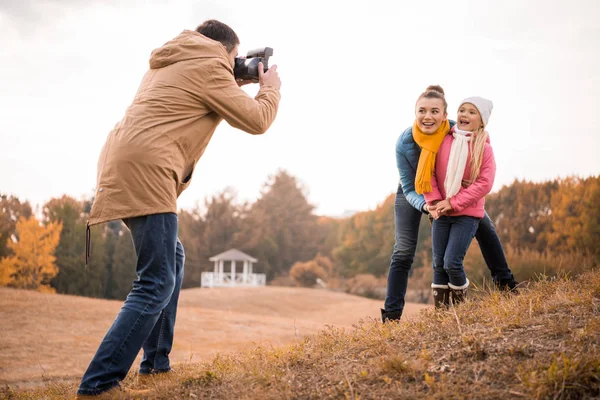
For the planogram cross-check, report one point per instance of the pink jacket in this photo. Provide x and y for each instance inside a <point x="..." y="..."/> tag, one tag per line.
<point x="469" y="200"/>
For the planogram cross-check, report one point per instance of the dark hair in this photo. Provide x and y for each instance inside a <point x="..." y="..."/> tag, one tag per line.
<point x="434" y="92"/>
<point x="220" y="32"/>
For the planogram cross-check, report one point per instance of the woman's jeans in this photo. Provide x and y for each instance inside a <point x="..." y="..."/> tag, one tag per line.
<point x="147" y="317"/>
<point x="451" y="238"/>
<point x="407" y="221"/>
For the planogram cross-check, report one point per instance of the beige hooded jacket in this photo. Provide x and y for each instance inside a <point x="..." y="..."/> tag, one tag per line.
<point x="149" y="157"/>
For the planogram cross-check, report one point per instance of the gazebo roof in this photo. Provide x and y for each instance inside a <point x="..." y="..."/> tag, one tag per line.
<point x="233" y="255"/>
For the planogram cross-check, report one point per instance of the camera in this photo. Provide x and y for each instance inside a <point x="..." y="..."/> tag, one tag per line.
<point x="247" y="68"/>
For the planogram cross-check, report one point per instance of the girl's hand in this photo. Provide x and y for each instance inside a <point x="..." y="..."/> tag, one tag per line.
<point x="434" y="213"/>
<point x="443" y="207"/>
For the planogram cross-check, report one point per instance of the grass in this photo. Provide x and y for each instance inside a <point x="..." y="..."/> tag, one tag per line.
<point x="541" y="344"/>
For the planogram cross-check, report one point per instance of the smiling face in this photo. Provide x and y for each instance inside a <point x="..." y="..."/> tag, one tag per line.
<point x="468" y="118"/>
<point x="430" y="114"/>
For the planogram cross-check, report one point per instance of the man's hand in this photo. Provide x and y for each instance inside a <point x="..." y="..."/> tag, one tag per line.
<point x="270" y="78"/>
<point x="443" y="207"/>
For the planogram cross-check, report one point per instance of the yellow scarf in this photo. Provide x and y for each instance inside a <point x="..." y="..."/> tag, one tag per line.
<point x="429" y="144"/>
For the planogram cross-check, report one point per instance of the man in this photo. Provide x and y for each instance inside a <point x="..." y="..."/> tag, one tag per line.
<point x="146" y="163"/>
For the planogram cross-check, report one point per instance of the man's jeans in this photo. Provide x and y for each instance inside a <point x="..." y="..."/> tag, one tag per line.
<point x="407" y="221"/>
<point x="147" y="317"/>
<point x="451" y="238"/>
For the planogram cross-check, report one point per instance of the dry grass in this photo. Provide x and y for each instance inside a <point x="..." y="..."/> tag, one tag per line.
<point x="541" y="344"/>
<point x="51" y="338"/>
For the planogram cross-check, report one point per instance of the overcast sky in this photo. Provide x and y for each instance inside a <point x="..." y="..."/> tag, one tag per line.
<point x="351" y="72"/>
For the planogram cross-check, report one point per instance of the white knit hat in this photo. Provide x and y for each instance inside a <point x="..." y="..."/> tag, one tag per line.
<point x="484" y="106"/>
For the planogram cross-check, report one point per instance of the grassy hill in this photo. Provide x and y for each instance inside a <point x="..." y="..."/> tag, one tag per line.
<point x="52" y="338"/>
<point x="541" y="344"/>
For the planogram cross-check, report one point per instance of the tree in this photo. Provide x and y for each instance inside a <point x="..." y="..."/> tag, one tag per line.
<point x="367" y="241"/>
<point x="33" y="264"/>
<point x="191" y="234"/>
<point x="121" y="261"/>
<point x="307" y="273"/>
<point x="576" y="216"/>
<point x="11" y="209"/>
<point x="280" y="228"/>
<point x="73" y="276"/>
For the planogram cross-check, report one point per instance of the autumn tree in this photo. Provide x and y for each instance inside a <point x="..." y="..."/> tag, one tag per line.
<point x="576" y="216"/>
<point x="33" y="264"/>
<point x="191" y="234"/>
<point x="280" y="228"/>
<point x="367" y="241"/>
<point x="11" y="209"/>
<point x="208" y="230"/>
<point x="307" y="273"/>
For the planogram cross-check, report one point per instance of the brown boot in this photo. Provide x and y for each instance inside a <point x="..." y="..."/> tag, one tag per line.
<point x="458" y="293"/>
<point x="151" y="380"/>
<point x="116" y="393"/>
<point x="441" y="295"/>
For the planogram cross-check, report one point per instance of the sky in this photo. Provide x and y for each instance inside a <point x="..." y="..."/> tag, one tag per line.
<point x="351" y="72"/>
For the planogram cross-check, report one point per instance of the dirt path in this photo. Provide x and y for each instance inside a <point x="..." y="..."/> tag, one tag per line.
<point x="49" y="337"/>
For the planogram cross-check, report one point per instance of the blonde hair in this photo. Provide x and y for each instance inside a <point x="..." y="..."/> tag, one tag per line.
<point x="477" y="146"/>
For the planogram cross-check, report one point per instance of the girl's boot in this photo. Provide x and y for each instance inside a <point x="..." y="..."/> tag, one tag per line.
<point x="458" y="293"/>
<point x="441" y="295"/>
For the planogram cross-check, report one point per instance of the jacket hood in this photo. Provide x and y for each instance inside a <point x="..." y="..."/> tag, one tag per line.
<point x="189" y="45"/>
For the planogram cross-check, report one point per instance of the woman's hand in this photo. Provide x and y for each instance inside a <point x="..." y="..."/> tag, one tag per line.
<point x="443" y="207"/>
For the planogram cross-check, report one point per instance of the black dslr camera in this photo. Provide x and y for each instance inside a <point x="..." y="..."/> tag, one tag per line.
<point x="247" y="68"/>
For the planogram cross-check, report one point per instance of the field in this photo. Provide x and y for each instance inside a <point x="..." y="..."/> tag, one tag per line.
<point x="51" y="338"/>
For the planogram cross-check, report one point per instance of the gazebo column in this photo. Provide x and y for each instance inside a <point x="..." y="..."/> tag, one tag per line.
<point x="245" y="276"/>
<point x="221" y="268"/>
<point x="215" y="277"/>
<point x="233" y="272"/>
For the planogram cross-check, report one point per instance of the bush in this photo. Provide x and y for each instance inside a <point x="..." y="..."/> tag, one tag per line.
<point x="307" y="273"/>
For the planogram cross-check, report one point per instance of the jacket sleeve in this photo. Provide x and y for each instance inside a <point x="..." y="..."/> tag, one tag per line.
<point x="407" y="175"/>
<point x="482" y="185"/>
<point x="228" y="100"/>
<point x="435" y="194"/>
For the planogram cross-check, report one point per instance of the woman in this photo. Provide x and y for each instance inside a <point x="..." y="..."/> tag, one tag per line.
<point x="415" y="157"/>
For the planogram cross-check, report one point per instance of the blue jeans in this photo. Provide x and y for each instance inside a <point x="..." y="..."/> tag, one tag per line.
<point x="147" y="317"/>
<point x="407" y="221"/>
<point x="450" y="239"/>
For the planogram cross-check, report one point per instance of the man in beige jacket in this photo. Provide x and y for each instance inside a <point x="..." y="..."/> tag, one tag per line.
<point x="147" y="161"/>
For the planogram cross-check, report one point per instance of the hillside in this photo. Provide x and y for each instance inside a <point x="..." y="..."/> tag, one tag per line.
<point x="53" y="337"/>
<point x="541" y="344"/>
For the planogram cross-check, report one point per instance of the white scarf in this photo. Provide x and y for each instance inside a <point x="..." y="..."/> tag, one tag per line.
<point x="457" y="161"/>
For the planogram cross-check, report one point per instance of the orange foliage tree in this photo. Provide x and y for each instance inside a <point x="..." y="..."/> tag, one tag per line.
<point x="307" y="273"/>
<point x="32" y="264"/>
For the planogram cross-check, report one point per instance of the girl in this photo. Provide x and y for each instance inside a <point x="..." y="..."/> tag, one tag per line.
<point x="464" y="174"/>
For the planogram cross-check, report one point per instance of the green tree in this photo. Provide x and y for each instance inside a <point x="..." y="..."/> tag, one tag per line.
<point x="11" y="209"/>
<point x="73" y="276"/>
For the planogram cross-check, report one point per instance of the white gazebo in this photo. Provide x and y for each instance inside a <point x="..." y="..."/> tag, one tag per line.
<point x="220" y="278"/>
